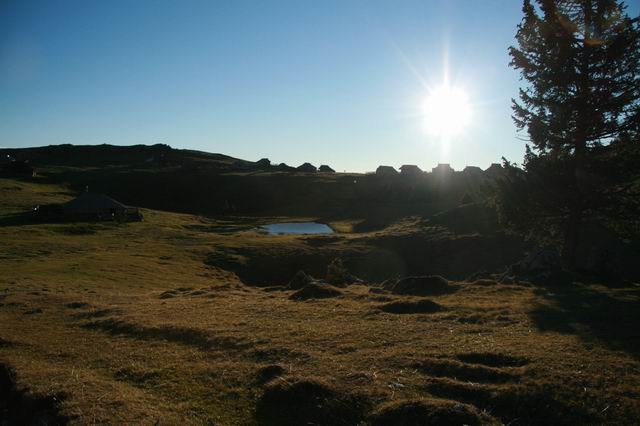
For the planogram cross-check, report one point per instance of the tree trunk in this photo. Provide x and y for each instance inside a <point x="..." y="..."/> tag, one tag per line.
<point x="572" y="237"/>
<point x="576" y="208"/>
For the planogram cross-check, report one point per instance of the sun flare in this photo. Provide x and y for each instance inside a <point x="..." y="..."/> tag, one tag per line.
<point x="447" y="111"/>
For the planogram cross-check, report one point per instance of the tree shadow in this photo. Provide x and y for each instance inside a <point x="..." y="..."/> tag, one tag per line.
<point x="20" y="406"/>
<point x="18" y="219"/>
<point x="596" y="314"/>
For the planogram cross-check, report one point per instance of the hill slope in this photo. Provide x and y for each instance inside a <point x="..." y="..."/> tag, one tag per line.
<point x="153" y="322"/>
<point x="195" y="182"/>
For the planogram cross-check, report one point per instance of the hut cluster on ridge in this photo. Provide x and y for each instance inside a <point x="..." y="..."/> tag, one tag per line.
<point x="441" y="170"/>
<point x="265" y="164"/>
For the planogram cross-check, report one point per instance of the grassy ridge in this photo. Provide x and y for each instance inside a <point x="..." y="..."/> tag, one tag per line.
<point x="202" y="183"/>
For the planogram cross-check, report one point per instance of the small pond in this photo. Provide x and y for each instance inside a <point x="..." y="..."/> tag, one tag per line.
<point x="297" y="228"/>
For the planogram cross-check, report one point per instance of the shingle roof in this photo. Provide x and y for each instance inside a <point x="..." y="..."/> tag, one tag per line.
<point x="93" y="201"/>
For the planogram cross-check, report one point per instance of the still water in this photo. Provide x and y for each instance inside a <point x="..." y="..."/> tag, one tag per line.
<point x="297" y="228"/>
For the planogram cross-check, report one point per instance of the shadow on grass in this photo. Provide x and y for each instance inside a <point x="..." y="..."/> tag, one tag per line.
<point x="183" y="335"/>
<point x="19" y="219"/>
<point x="18" y="406"/>
<point x="608" y="316"/>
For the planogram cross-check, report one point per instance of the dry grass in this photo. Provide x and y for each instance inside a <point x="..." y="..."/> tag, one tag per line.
<point x="131" y="324"/>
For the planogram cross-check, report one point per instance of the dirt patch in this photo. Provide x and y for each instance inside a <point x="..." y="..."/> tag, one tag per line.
<point x="428" y="285"/>
<point x="316" y="291"/>
<point x="307" y="401"/>
<point x="429" y="412"/>
<point x="21" y="407"/>
<point x="423" y="306"/>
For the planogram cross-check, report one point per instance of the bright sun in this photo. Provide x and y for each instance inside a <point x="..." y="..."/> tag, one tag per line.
<point x="447" y="111"/>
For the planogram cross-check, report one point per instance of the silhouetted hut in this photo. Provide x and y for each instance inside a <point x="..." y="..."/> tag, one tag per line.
<point x="326" y="169"/>
<point x="264" y="163"/>
<point x="410" y="170"/>
<point x="307" y="168"/>
<point x="473" y="174"/>
<point x="386" y="171"/>
<point x="284" y="167"/>
<point x="17" y="168"/>
<point x="442" y="169"/>
<point x="472" y="171"/>
<point x="495" y="170"/>
<point x="92" y="206"/>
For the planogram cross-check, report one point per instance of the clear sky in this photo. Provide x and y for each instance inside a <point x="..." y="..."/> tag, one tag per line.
<point x="330" y="82"/>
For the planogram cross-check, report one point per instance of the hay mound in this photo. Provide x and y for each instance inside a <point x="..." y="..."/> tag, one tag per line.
<point x="539" y="405"/>
<point x="429" y="285"/>
<point x="424" y="306"/>
<point x="269" y="372"/>
<point x="316" y="291"/>
<point x="303" y="401"/>
<point x="431" y="412"/>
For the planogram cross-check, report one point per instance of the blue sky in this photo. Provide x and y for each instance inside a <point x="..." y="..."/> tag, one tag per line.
<point x="329" y="82"/>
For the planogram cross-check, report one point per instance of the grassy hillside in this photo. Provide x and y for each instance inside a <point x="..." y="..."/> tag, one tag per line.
<point x="184" y="181"/>
<point x="180" y="319"/>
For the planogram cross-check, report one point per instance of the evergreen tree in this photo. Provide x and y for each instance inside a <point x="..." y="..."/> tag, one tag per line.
<point x="581" y="110"/>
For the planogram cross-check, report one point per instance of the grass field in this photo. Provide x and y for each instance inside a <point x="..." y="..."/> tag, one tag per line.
<point x="183" y="319"/>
